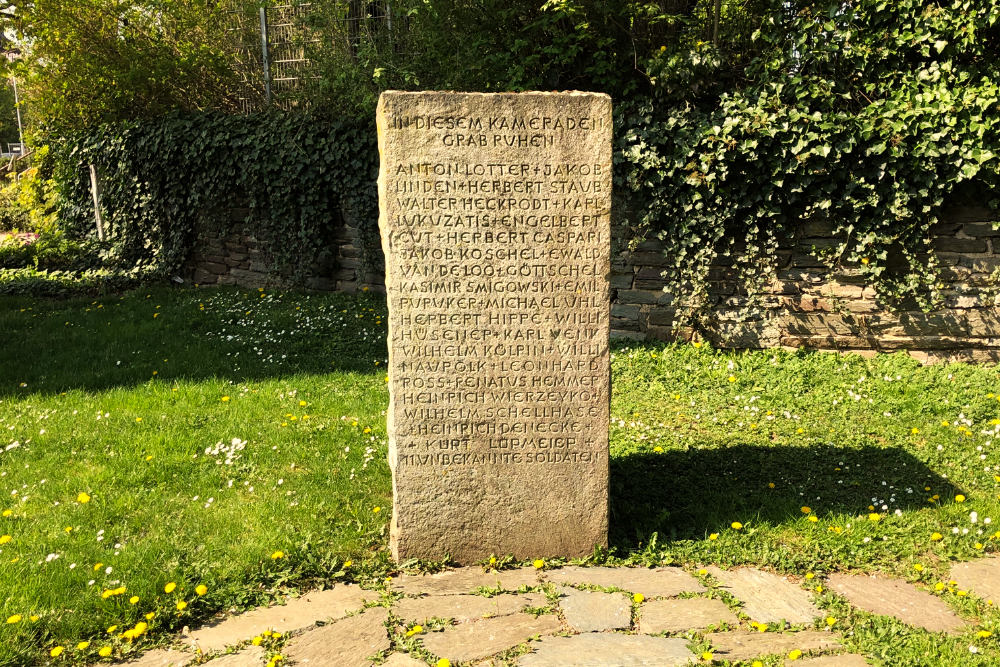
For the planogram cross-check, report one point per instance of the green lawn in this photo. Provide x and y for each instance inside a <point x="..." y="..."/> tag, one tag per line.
<point x="209" y="430"/>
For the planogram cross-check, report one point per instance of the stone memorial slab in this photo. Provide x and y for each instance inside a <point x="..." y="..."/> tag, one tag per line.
<point x="767" y="597"/>
<point x="163" y="658"/>
<point x="495" y="222"/>
<point x="251" y="656"/>
<point x="608" y="650"/>
<point x="896" y="598"/>
<point x="656" y="616"/>
<point x="982" y="577"/>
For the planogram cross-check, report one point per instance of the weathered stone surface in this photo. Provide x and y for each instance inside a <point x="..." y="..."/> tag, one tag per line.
<point x="767" y="597"/>
<point x="480" y="639"/>
<point x="348" y="642"/>
<point x="659" y="582"/>
<point x="656" y="616"/>
<point x="982" y="577"/>
<point x="298" y="613"/>
<point x="465" y="607"/>
<point x="251" y="656"/>
<point x="608" y="650"/>
<point x="899" y="599"/>
<point x="403" y="660"/>
<point x="163" y="658"/>
<point x="466" y="580"/>
<point x="495" y="400"/>
<point x="842" y="660"/>
<point x="746" y="645"/>
<point x="591" y="611"/>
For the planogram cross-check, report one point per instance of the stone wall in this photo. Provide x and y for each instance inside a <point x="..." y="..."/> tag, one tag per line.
<point x="807" y="306"/>
<point x="811" y="307"/>
<point x="239" y="258"/>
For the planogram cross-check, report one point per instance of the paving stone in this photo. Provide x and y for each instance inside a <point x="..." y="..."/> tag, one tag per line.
<point x="896" y="598"/>
<point x="767" y="597"/>
<point x="348" y="642"/>
<point x="656" y="616"/>
<point x="298" y="613"/>
<point x="747" y="645"/>
<point x="479" y="639"/>
<point x="466" y="607"/>
<point x="403" y="660"/>
<point x="590" y="611"/>
<point x="251" y="656"/>
<point x="162" y="658"/>
<point x="661" y="582"/>
<point x="608" y="650"/>
<point x="982" y="577"/>
<point x="843" y="660"/>
<point x="465" y="580"/>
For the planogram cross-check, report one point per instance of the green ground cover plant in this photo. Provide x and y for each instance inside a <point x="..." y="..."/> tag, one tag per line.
<point x="216" y="448"/>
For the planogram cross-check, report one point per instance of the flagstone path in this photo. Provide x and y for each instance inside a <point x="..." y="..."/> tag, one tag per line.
<point x="596" y="616"/>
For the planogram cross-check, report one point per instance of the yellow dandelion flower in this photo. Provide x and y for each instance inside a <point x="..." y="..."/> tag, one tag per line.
<point x="539" y="564"/>
<point x="939" y="586"/>
<point x="224" y="399"/>
<point x="936" y="537"/>
<point x="257" y="641"/>
<point x="960" y="498"/>
<point x="150" y="615"/>
<point x="638" y="598"/>
<point x="16" y="618"/>
<point x="277" y="554"/>
<point x="707" y="656"/>
<point x="713" y="536"/>
<point x="813" y="518"/>
<point x="82" y="646"/>
<point x="443" y="662"/>
<point x="4" y="539"/>
<point x="7" y="513"/>
<point x="984" y="634"/>
<point x="170" y="587"/>
<point x="181" y="605"/>
<point x="134" y="599"/>
<point x="805" y="510"/>
<point x="302" y="403"/>
<point x="831" y="621"/>
<point x="376" y="510"/>
<point x="918" y="567"/>
<point x="874" y="517"/>
<point x="736" y="525"/>
<point x="57" y="651"/>
<point x="794" y="654"/>
<point x="201" y="589"/>
<point x="83" y="498"/>
<point x="104" y="651"/>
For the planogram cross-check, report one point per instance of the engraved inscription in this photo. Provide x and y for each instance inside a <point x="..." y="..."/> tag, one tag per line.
<point x="495" y="222"/>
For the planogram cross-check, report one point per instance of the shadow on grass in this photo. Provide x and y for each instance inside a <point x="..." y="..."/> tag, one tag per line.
<point x="60" y="345"/>
<point x="692" y="493"/>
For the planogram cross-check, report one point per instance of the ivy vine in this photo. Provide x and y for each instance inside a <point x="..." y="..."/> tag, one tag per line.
<point x="164" y="178"/>
<point x="870" y="114"/>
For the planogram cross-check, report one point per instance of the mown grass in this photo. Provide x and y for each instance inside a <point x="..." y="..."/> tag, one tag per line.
<point x="120" y="398"/>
